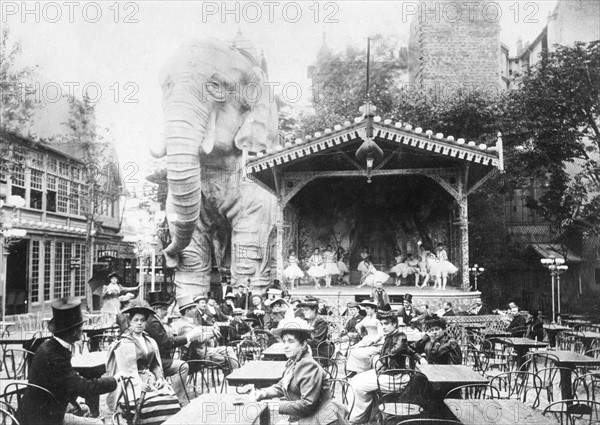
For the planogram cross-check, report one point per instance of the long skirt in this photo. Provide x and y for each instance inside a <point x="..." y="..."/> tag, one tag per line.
<point x="365" y="385"/>
<point x="360" y="358"/>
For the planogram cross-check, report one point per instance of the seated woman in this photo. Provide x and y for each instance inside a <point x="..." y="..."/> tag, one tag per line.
<point x="310" y="307"/>
<point x="365" y="383"/>
<point x="137" y="355"/>
<point x="438" y="346"/>
<point x="361" y="353"/>
<point x="304" y="390"/>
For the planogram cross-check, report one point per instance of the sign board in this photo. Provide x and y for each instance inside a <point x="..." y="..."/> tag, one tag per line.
<point x="75" y="262"/>
<point x="107" y="254"/>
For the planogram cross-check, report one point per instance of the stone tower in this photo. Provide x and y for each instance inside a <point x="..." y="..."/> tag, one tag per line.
<point x="455" y="45"/>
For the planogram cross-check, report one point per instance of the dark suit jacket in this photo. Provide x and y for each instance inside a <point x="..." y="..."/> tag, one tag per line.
<point x="518" y="326"/>
<point x="484" y="311"/>
<point x="449" y="313"/>
<point x="396" y="346"/>
<point x="319" y="334"/>
<point x="165" y="341"/>
<point x="51" y="369"/>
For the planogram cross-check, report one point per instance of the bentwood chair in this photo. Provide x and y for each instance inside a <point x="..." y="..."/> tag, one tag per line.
<point x="550" y="377"/>
<point x="518" y="385"/>
<point x="474" y="391"/>
<point x="204" y="376"/>
<point x="571" y="412"/>
<point x="394" y="397"/>
<point x="342" y="391"/>
<point x="15" y="363"/>
<point x="7" y="416"/>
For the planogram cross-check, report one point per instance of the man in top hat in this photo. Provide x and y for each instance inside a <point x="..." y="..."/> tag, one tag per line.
<point x="167" y="343"/>
<point x="51" y="369"/>
<point x="408" y="313"/>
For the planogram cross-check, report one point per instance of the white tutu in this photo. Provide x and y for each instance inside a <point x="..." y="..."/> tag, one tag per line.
<point x="401" y="269"/>
<point x="331" y="268"/>
<point x="342" y="267"/>
<point x="316" y="272"/>
<point x="293" y="272"/>
<point x="443" y="267"/>
<point x="377" y="276"/>
<point x="361" y="267"/>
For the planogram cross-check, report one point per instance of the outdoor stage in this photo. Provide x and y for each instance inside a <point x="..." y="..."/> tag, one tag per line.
<point x="435" y="299"/>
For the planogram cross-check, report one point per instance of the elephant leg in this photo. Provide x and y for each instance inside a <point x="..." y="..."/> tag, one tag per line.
<point x="192" y="274"/>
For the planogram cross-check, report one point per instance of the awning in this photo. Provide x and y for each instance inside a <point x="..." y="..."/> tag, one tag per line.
<point x="548" y="250"/>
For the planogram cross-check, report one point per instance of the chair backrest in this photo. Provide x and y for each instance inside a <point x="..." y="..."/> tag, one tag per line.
<point x="427" y="421"/>
<point x="325" y="349"/>
<point x="17" y="389"/>
<point x="248" y="350"/>
<point x="128" y="404"/>
<point x="8" y="416"/>
<point x="328" y="365"/>
<point x="535" y="361"/>
<point x="262" y="337"/>
<point x="205" y="376"/>
<point x="569" y="410"/>
<point x="549" y="375"/>
<point x="517" y="385"/>
<point x="101" y="342"/>
<point x="595" y="353"/>
<point x="587" y="385"/>
<point x="474" y="391"/>
<point x="342" y="390"/>
<point x="15" y="362"/>
<point x="397" y="380"/>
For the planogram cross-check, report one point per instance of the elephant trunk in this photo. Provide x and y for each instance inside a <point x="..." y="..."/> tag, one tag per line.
<point x="185" y="125"/>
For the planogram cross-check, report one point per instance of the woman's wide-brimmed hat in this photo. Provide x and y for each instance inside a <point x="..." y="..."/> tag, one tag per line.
<point x="115" y="274"/>
<point x="230" y="295"/>
<point x="138" y="310"/>
<point x="353" y="304"/>
<point x="386" y="314"/>
<point x="276" y="301"/>
<point x="237" y="312"/>
<point x="66" y="314"/>
<point x="293" y="325"/>
<point x="185" y="301"/>
<point x="309" y="301"/>
<point x="369" y="303"/>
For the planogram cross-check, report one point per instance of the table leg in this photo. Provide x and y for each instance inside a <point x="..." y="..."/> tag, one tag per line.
<point x="566" y="387"/>
<point x="551" y="338"/>
<point x="521" y="352"/>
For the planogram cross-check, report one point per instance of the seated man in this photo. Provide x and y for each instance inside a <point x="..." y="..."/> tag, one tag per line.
<point x="203" y="347"/>
<point x="51" y="369"/>
<point x="365" y="383"/>
<point x="518" y="324"/>
<point x="438" y="346"/>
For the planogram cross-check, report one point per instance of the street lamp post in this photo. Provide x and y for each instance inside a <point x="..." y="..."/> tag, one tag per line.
<point x="556" y="266"/>
<point x="476" y="271"/>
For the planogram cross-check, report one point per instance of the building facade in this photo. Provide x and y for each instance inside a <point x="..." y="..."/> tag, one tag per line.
<point x="57" y="243"/>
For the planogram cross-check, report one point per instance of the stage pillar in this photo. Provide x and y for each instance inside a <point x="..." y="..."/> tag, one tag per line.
<point x="463" y="206"/>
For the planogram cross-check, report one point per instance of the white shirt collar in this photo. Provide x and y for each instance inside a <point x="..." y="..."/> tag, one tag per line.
<point x="63" y="343"/>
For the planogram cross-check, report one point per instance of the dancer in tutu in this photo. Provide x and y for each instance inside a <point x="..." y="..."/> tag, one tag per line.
<point x="400" y="269"/>
<point x="426" y="258"/>
<point x="412" y="265"/>
<point x="330" y="264"/>
<point x="372" y="275"/>
<point x="316" y="270"/>
<point x="364" y="256"/>
<point x="293" y="272"/>
<point x="341" y="264"/>
<point x="440" y="268"/>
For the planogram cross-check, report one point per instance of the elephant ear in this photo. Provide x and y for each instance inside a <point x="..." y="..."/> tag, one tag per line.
<point x="259" y="130"/>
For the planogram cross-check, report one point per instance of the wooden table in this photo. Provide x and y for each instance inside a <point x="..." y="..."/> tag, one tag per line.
<point x="447" y="377"/>
<point x="552" y="330"/>
<point x="222" y="409"/>
<point x="570" y="360"/>
<point x="22" y="338"/>
<point x="501" y="412"/>
<point x="260" y="373"/>
<point x="522" y="346"/>
<point x="274" y="352"/>
<point x="587" y="337"/>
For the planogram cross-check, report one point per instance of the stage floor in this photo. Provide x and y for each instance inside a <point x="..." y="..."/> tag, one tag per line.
<point x="434" y="298"/>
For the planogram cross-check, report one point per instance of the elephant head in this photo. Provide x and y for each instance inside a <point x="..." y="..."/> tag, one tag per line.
<point x="215" y="103"/>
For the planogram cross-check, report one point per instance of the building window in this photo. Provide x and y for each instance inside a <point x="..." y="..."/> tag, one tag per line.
<point x="58" y="269"/>
<point x="35" y="271"/>
<point x="18" y="176"/>
<point x="74" y="199"/>
<point x="80" y="272"/>
<point x="47" y="270"/>
<point x="68" y="253"/>
<point x="63" y="195"/>
<point x="37" y="160"/>
<point x="51" y="194"/>
<point x="63" y="169"/>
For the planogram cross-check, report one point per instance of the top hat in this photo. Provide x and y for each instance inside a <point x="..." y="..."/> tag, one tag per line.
<point x="158" y="298"/>
<point x="295" y="325"/>
<point x="408" y="297"/>
<point x="185" y="301"/>
<point x="369" y="303"/>
<point x="138" y="310"/>
<point x="66" y="314"/>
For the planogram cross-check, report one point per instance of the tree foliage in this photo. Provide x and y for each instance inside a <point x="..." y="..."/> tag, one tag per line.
<point x="554" y="120"/>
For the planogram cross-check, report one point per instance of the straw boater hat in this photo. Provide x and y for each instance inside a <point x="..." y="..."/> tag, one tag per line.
<point x="185" y="301"/>
<point x="354" y="304"/>
<point x="157" y="298"/>
<point x="230" y="295"/>
<point x="278" y="300"/>
<point x="200" y="297"/>
<point x="138" y="310"/>
<point x="295" y="325"/>
<point x="274" y="291"/>
<point x="369" y="303"/>
<point x="66" y="314"/>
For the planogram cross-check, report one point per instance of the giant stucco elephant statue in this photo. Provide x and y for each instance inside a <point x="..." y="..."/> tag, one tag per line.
<point x="216" y="106"/>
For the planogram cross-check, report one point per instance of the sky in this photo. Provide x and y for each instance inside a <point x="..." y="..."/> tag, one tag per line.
<point x="116" y="50"/>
